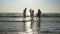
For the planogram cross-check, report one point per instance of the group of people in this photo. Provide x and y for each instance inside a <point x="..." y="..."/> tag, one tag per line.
<point x="38" y="15"/>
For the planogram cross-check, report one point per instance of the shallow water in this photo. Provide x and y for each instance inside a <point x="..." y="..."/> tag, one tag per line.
<point x="49" y="25"/>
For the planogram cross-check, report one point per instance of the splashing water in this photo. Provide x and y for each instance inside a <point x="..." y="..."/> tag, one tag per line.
<point x="28" y="27"/>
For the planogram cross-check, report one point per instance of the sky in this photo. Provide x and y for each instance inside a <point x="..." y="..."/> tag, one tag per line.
<point x="17" y="6"/>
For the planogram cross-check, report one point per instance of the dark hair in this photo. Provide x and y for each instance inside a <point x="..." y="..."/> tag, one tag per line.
<point x="30" y="10"/>
<point x="25" y="8"/>
<point x="38" y="13"/>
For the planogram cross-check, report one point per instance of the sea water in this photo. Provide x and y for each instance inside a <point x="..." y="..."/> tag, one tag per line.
<point x="49" y="25"/>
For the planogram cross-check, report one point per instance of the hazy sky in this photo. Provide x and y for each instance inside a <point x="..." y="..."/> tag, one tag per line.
<point x="46" y="6"/>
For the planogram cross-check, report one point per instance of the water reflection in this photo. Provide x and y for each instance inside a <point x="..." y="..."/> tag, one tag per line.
<point x="31" y="26"/>
<point x="28" y="27"/>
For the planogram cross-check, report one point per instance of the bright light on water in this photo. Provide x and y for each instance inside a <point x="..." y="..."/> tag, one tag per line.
<point x="28" y="26"/>
<point x="25" y="33"/>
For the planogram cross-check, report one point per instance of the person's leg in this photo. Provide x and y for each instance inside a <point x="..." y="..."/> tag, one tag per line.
<point x="39" y="23"/>
<point x="24" y="19"/>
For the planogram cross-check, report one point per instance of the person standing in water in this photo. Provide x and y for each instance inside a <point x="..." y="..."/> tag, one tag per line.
<point x="38" y="14"/>
<point x="24" y="12"/>
<point x="30" y="11"/>
<point x="32" y="18"/>
<point x="24" y="18"/>
<point x="38" y="17"/>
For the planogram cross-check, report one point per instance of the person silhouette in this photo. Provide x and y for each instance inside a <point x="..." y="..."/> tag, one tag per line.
<point x="39" y="19"/>
<point x="38" y="14"/>
<point x="30" y="12"/>
<point x="32" y="18"/>
<point x="24" y="12"/>
<point x="24" y="18"/>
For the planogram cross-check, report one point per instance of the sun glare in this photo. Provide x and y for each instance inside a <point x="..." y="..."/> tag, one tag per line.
<point x="29" y="0"/>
